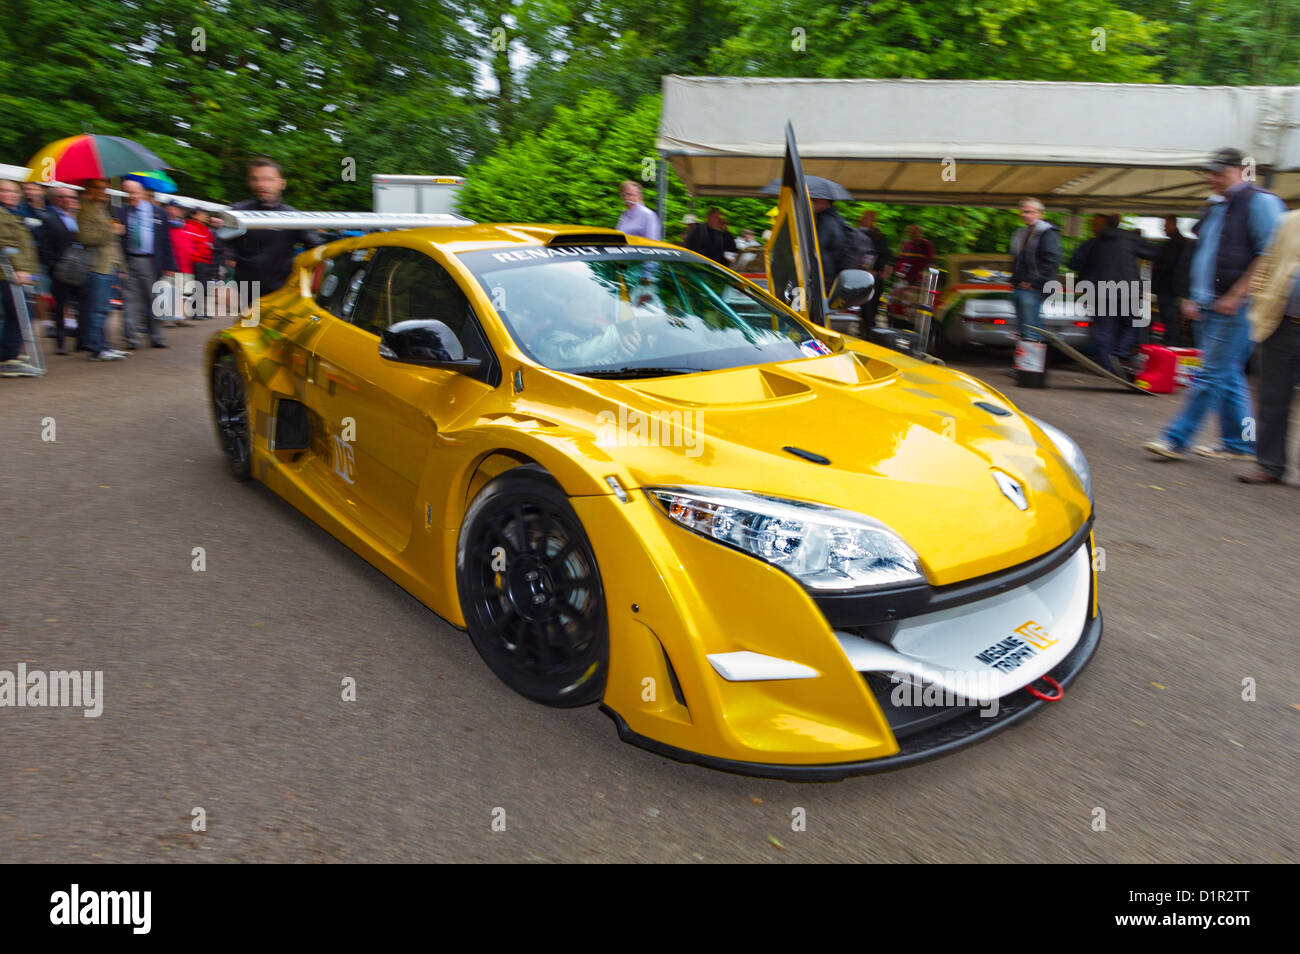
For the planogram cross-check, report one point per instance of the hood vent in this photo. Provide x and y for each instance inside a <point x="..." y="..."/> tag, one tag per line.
<point x="807" y="455"/>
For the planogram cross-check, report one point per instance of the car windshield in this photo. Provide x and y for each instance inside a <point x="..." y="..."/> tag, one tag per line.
<point x="635" y="311"/>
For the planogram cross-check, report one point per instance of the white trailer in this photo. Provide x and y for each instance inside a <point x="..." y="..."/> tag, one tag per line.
<point x="415" y="193"/>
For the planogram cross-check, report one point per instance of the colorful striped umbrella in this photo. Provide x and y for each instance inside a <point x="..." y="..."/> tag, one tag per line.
<point x="90" y="157"/>
<point x="155" y="181"/>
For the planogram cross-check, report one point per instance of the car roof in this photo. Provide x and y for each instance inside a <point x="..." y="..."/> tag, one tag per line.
<point x="455" y="239"/>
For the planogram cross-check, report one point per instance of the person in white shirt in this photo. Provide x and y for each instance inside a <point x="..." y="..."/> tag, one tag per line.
<point x="637" y="219"/>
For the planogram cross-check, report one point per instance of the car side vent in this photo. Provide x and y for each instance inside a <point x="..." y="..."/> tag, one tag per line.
<point x="292" y="427"/>
<point x="587" y="238"/>
<point x="992" y="408"/>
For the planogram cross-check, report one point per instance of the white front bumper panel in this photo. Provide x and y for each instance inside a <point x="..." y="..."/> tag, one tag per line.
<point x="992" y="647"/>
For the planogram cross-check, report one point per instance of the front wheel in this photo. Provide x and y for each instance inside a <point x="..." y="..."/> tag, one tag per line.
<point x="531" y="592"/>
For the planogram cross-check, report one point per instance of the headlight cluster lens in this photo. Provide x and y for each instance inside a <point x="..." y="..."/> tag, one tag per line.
<point x="823" y="547"/>
<point x="1071" y="452"/>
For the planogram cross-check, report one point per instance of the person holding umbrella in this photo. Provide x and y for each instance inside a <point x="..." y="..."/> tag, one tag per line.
<point x="99" y="232"/>
<point x="94" y="160"/>
<point x="841" y="247"/>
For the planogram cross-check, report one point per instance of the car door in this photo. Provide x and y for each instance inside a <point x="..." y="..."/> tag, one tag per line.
<point x="794" y="271"/>
<point x="379" y="418"/>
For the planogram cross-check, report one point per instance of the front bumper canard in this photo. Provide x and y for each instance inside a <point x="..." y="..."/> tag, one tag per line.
<point x="968" y="728"/>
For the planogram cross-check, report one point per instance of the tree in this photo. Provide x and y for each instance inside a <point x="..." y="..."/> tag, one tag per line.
<point x="965" y="39"/>
<point x="335" y="91"/>
<point x="1228" y="42"/>
<point x="569" y="170"/>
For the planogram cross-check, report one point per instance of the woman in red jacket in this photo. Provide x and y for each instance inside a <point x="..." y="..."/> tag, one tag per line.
<point x="201" y="241"/>
<point x="181" y="251"/>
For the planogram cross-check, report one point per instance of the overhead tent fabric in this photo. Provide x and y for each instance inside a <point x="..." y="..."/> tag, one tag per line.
<point x="1077" y="146"/>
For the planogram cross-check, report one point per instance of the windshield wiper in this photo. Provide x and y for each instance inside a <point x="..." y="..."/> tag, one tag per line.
<point x="634" y="372"/>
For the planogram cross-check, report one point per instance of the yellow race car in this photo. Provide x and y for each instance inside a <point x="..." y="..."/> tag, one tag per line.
<point x="637" y="479"/>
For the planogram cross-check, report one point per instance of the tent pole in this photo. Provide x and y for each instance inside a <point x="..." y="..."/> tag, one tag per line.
<point x="661" y="191"/>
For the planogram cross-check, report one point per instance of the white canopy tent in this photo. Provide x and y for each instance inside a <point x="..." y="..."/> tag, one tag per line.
<point x="1078" y="146"/>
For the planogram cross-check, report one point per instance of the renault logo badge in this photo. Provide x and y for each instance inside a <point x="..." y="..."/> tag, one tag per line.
<point x="1011" y="490"/>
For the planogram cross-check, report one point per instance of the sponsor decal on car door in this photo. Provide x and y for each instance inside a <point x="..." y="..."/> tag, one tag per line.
<point x="374" y="436"/>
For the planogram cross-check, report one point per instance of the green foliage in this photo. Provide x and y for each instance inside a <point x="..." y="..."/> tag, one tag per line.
<point x="1227" y="42"/>
<point x="570" y="169"/>
<point x="547" y="104"/>
<point x="963" y="39"/>
<point x="207" y="85"/>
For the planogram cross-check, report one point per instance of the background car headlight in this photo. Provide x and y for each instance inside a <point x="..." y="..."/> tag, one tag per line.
<point x="1070" y="451"/>
<point x="824" y="548"/>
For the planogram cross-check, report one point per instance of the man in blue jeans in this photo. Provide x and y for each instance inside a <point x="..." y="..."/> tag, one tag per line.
<point x="1232" y="235"/>
<point x="1036" y="257"/>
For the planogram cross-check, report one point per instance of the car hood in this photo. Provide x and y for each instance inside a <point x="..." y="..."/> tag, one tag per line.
<point x="913" y="445"/>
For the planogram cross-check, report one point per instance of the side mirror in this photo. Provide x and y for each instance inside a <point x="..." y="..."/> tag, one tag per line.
<point x="851" y="288"/>
<point x="427" y="342"/>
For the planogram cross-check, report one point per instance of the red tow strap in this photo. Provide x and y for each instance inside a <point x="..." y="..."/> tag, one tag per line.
<point x="1037" y="693"/>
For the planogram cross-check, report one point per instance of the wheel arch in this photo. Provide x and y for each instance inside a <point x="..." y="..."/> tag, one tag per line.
<point x="575" y="476"/>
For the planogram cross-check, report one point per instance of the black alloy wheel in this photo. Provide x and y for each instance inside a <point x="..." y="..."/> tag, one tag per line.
<point x="531" y="592"/>
<point x="230" y="413"/>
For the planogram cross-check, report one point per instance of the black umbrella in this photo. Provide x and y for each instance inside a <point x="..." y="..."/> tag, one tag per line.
<point x="818" y="188"/>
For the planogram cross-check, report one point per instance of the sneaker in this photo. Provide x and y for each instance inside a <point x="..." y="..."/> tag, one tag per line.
<point x="120" y="354"/>
<point x="1259" y="476"/>
<point x="1162" y="448"/>
<point x="1219" y="452"/>
<point x="107" y="355"/>
<point x="18" y="369"/>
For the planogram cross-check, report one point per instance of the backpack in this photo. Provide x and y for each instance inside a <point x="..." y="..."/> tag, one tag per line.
<point x="856" y="251"/>
<point x="75" y="265"/>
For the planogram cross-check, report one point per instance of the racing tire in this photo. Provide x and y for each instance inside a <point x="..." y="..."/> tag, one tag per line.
<point x="230" y="414"/>
<point x="531" y="592"/>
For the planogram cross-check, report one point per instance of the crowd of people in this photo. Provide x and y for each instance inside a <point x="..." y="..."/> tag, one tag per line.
<point x="1243" y="293"/>
<point x="74" y="254"/>
<point x="77" y="254"/>
<point x="1235" y="286"/>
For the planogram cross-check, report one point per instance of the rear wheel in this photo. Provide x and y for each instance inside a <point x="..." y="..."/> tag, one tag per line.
<point x="531" y="592"/>
<point x="938" y="343"/>
<point x="230" y="413"/>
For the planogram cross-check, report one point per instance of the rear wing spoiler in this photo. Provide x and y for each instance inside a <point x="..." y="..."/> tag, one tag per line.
<point x="235" y="222"/>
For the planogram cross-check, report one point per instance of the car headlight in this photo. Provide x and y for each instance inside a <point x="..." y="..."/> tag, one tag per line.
<point x="1070" y="451"/>
<point x="824" y="548"/>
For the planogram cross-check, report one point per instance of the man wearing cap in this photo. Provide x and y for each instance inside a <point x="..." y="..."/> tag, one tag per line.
<point x="1232" y="235"/>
